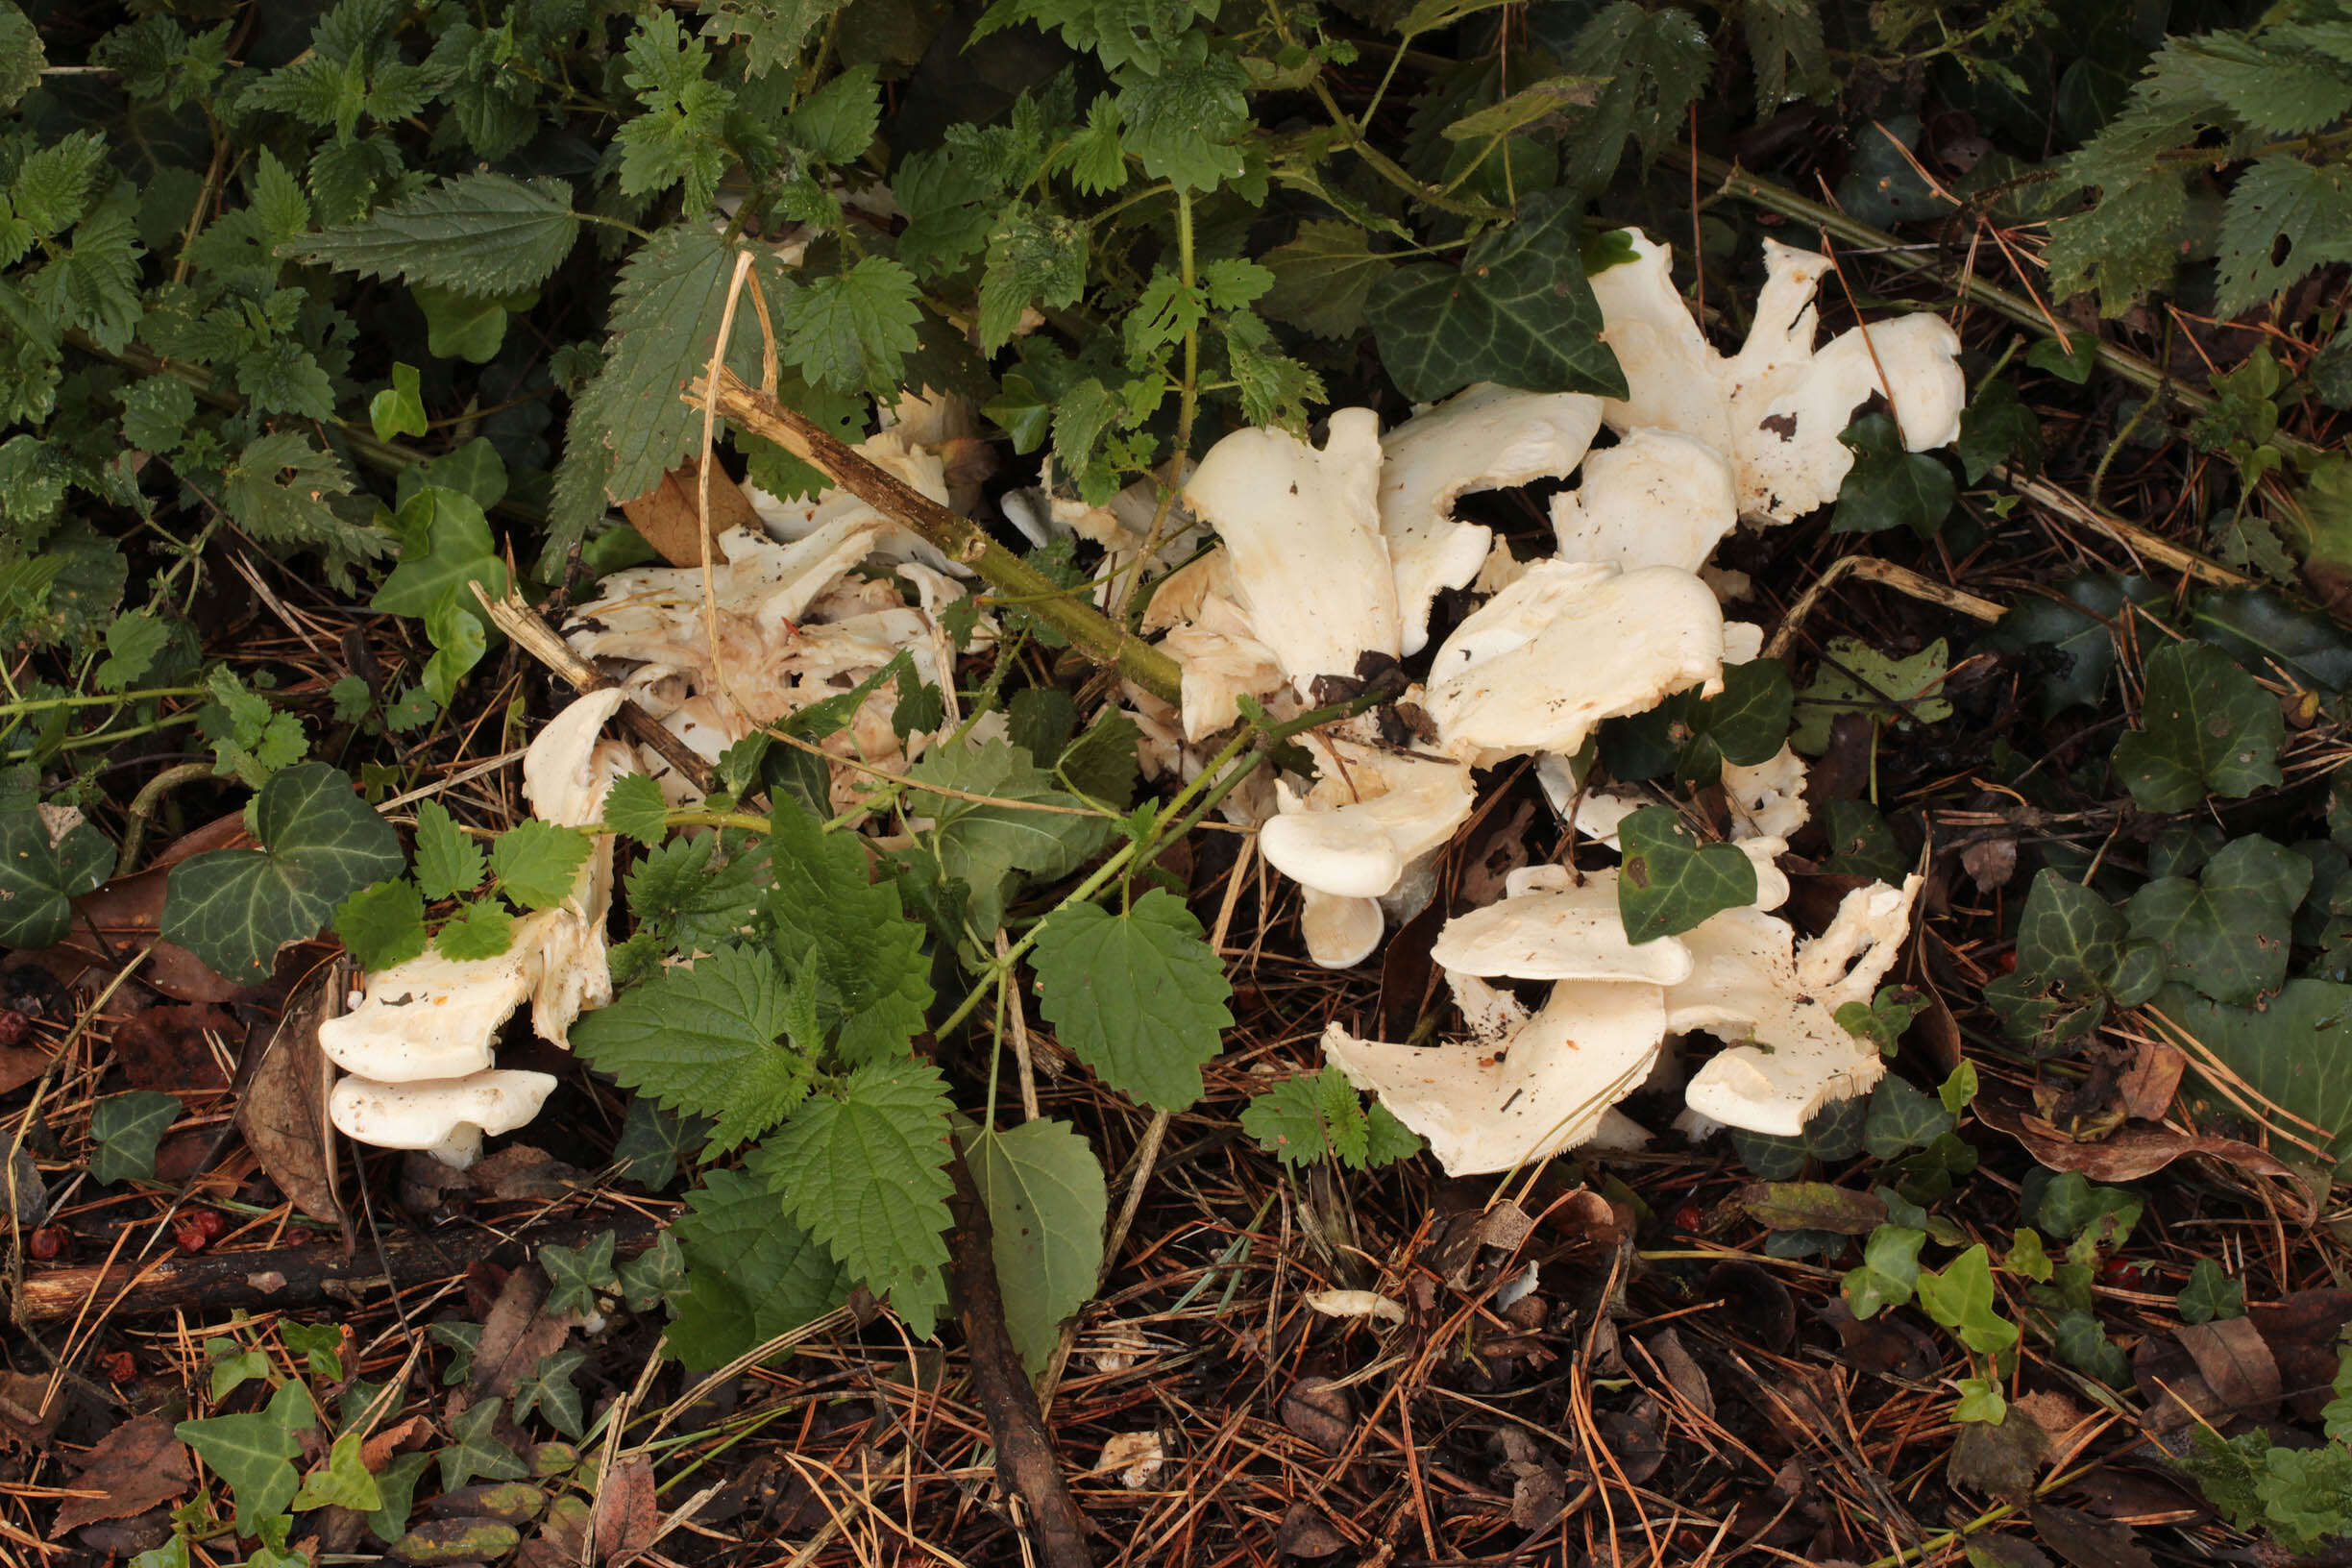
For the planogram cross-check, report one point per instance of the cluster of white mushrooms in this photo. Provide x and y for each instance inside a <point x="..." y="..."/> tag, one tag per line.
<point x="1328" y="554"/>
<point x="1325" y="555"/>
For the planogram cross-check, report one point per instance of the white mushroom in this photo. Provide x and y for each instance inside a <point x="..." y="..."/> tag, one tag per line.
<point x="1371" y="813"/>
<point x="1657" y="497"/>
<point x="1565" y="646"/>
<point x="1776" y="1000"/>
<point x="1546" y="1086"/>
<point x="1303" y="543"/>
<point x="1340" y="932"/>
<point x="1776" y="407"/>
<point x="446" y="1118"/>
<point x="1574" y="933"/>
<point x="1768" y="800"/>
<point x="1480" y="439"/>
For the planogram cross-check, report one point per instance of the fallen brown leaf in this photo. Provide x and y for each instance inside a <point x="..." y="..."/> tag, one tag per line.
<point x="1688" y="1377"/>
<point x="284" y="1113"/>
<point x="137" y="1466"/>
<point x="516" y="1334"/>
<point x="1320" y="1411"/>
<point x="625" y="1513"/>
<point x="2235" y="1363"/>
<point x="21" y="1064"/>
<point x="165" y="1048"/>
<point x="2133" y="1151"/>
<point x="1306" y="1533"/>
<point x="2086" y="1543"/>
<point x="2152" y="1079"/>
<point x="29" y="1409"/>
<point x="378" y="1451"/>
<point x="666" y="515"/>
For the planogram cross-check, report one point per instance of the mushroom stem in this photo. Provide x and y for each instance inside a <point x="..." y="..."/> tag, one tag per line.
<point x="959" y="538"/>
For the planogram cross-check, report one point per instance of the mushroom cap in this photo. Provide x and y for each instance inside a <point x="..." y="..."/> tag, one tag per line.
<point x="436" y="1017"/>
<point x="1340" y="932"/>
<point x="1481" y="438"/>
<point x="1657" y="497"/>
<point x="1221" y="658"/>
<point x="1776" y="1000"/>
<point x="1371" y="815"/>
<point x="447" y="1117"/>
<point x="1487" y="1108"/>
<point x="1670" y="369"/>
<point x="1768" y="800"/>
<point x="1301" y="527"/>
<point x="1537" y="666"/>
<point x="1571" y="934"/>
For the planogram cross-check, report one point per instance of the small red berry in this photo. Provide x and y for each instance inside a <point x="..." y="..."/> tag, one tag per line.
<point x="198" y="1229"/>
<point x="2007" y="964"/>
<point x="1689" y="1217"/>
<point x="2118" y="1271"/>
<point x="48" y="1243"/>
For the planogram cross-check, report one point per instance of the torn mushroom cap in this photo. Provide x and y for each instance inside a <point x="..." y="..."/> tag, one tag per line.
<point x="1568" y="933"/>
<point x="1776" y="407"/>
<point x="1657" y="497"/>
<point x="1371" y="813"/>
<point x="1483" y="438"/>
<point x="1566" y="646"/>
<point x="446" y="1118"/>
<point x="1768" y="800"/>
<point x="1301" y="527"/>
<point x="1548" y="1086"/>
<point x="1753" y="984"/>
<point x="1340" y="932"/>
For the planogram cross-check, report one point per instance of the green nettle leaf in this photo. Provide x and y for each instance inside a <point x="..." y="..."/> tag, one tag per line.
<point x="2126" y="245"/>
<point x="383" y="924"/>
<point x="132" y="639"/>
<point x="983" y="846"/>
<point x="537" y="862"/>
<point x="686" y="903"/>
<point x="21" y="56"/>
<point x="282" y="490"/>
<point x="2211" y="1294"/>
<point x="40" y="876"/>
<point x="1670" y="882"/>
<point x="773" y="31"/>
<point x="706" y="1041"/>
<point x="448" y="859"/>
<point x="1033" y="258"/>
<point x="866" y="1172"/>
<point x="156" y="413"/>
<point x="1303" y="1119"/>
<point x="2226" y="933"/>
<point x="320" y="842"/>
<point x="1323" y="279"/>
<point x="1518" y="311"/>
<point x="752" y="1272"/>
<point x="1187" y="118"/>
<point x="849" y="935"/>
<point x="482" y="234"/>
<point x="836" y="123"/>
<point x="126" y="1129"/>
<point x="1960" y="1296"/>
<point x="1139" y="996"/>
<point x="1882" y="1020"/>
<point x="1890" y="1270"/>
<point x="1653" y="64"/>
<point x="634" y="809"/>
<point x="255" y="1454"/>
<point x="1047" y="1203"/>
<point x="681" y="134"/>
<point x="2205" y="726"/>
<point x="852" y="331"/>
<point x="1889" y="486"/>
<point x="2284" y="218"/>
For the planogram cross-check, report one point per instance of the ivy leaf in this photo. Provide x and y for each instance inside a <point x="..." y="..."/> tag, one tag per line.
<point x="2205" y="726"/>
<point x="1323" y="279"/>
<point x="1855" y="677"/>
<point x="1890" y="1271"/>
<point x="1047" y="1203"/>
<point x="255" y="1454"/>
<point x="982" y="846"/>
<point x="634" y="809"/>
<point x="126" y="1129"/>
<point x="1670" y="882"/>
<point x="477" y="1450"/>
<point x="320" y="842"/>
<point x="1889" y="486"/>
<point x="2069" y="643"/>
<point x="1746" y="723"/>
<point x="1518" y="311"/>
<point x="2296" y="1052"/>
<point x="2068" y="935"/>
<point x="343" y="1482"/>
<point x="848" y="934"/>
<point x="576" y="1274"/>
<point x="1960" y="1297"/>
<point x="549" y="1390"/>
<point x="1902" y="1119"/>
<point x="2082" y="1344"/>
<point x="484" y="234"/>
<point x="852" y="331"/>
<point x="706" y="1041"/>
<point x="445" y="544"/>
<point x="752" y="1271"/>
<point x="654" y="1141"/>
<point x="1995" y="427"/>
<point x="2227" y="933"/>
<point x="1139" y="996"/>
<point x="448" y="859"/>
<point x="537" y="862"/>
<point x="866" y="1172"/>
<point x="399" y="410"/>
<point x="383" y="924"/>
<point x="39" y="879"/>
<point x="2209" y="1294"/>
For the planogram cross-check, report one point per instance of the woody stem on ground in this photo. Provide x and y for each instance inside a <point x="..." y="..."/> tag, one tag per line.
<point x="959" y="538"/>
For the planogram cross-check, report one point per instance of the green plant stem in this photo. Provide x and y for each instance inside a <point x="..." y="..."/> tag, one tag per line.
<point x="143" y="806"/>
<point x="1757" y="192"/>
<point x="38" y="704"/>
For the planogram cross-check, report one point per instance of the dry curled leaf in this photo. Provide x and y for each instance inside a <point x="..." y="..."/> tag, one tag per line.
<point x="516" y="1335"/>
<point x="665" y="516"/>
<point x="2131" y="1152"/>
<point x="284" y="1113"/>
<point x="626" y="1514"/>
<point x="1307" y="1533"/>
<point x="2235" y="1364"/>
<point x="167" y="1049"/>
<point x="137" y="1466"/>
<point x="1321" y="1411"/>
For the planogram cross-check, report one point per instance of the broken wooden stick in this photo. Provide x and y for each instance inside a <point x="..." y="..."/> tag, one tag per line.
<point x="957" y="537"/>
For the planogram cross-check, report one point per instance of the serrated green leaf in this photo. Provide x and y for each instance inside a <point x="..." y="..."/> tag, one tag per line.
<point x="2205" y="726"/>
<point x="983" y="846"/>
<point x="691" y="904"/>
<point x="1518" y="312"/>
<point x="448" y="859"/>
<point x="537" y="862"/>
<point x="866" y="1172"/>
<point x="255" y="1454"/>
<point x="634" y="809"/>
<point x="1323" y="277"/>
<point x="1185" y="118"/>
<point x="852" y="331"/>
<point x="1889" y="486"/>
<point x="21" y="56"/>
<point x="483" y="928"/>
<point x="1670" y="882"/>
<point x="2284" y="218"/>
<point x="1307" y="1118"/>
<point x="834" y="922"/>
<point x="1033" y="258"/>
<point x="1139" y="996"/>
<point x="156" y="412"/>
<point x="39" y="879"/>
<point x="482" y="234"/>
<point x="2127" y="245"/>
<point x="751" y="1271"/>
<point x="1047" y="1203"/>
<point x="383" y="924"/>
<point x="771" y="30"/>
<point x="282" y="490"/>
<point x="836" y="123"/>
<point x="706" y="1039"/>
<point x="234" y="908"/>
